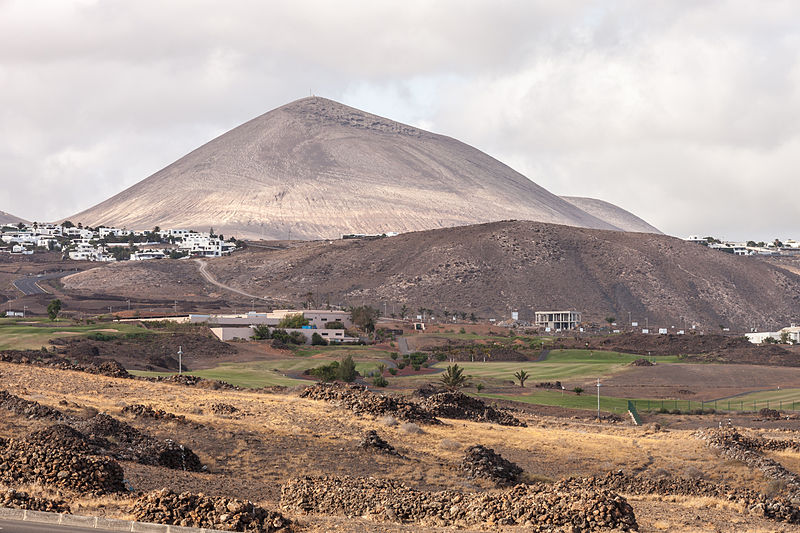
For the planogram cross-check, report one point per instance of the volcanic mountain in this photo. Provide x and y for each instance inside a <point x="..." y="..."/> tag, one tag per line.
<point x="615" y="215"/>
<point x="8" y="218"/>
<point x="315" y="168"/>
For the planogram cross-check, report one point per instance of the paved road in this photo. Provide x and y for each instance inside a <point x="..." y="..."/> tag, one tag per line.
<point x="29" y="285"/>
<point x="402" y="344"/>
<point x="209" y="278"/>
<point x="12" y="526"/>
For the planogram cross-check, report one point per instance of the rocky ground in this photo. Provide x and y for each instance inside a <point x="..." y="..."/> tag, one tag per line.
<point x="280" y="460"/>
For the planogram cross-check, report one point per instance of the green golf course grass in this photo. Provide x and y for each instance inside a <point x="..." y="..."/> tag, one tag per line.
<point x="34" y="333"/>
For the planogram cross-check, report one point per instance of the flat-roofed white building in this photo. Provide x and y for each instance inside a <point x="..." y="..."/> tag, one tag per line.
<point x="557" y="320"/>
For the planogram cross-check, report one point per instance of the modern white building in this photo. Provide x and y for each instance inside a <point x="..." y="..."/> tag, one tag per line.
<point x="557" y="320"/>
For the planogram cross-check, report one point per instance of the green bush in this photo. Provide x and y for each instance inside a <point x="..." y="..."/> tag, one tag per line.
<point x="336" y="324"/>
<point x="261" y="332"/>
<point x="293" y="321"/>
<point x="318" y="340"/>
<point x="416" y="368"/>
<point x="380" y="381"/>
<point x="280" y="335"/>
<point x="347" y="369"/>
<point x="329" y="372"/>
<point x="417" y="358"/>
<point x="393" y="371"/>
<point x="401" y="365"/>
<point x="295" y="337"/>
<point x="393" y="355"/>
<point x="440" y="356"/>
<point x="99" y="336"/>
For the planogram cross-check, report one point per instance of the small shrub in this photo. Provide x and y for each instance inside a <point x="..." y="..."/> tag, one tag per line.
<point x="329" y="372"/>
<point x="389" y="420"/>
<point x="462" y="331"/>
<point x="347" y="369"/>
<point x="411" y="428"/>
<point x="675" y="412"/>
<point x="380" y="381"/>
<point x="440" y="356"/>
<point x="577" y="390"/>
<point x="450" y="444"/>
<point x="416" y="368"/>
<point x="318" y="340"/>
<point x="394" y="356"/>
<point x="393" y="371"/>
<point x="479" y="386"/>
<point x="296" y="337"/>
<point x="401" y="365"/>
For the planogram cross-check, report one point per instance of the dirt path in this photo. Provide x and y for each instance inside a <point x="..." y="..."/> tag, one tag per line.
<point x="201" y="265"/>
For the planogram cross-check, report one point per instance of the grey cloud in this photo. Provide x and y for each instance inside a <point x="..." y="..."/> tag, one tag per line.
<point x="685" y="113"/>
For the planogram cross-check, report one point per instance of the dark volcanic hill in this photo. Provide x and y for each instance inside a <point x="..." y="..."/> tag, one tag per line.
<point x="491" y="269"/>
<point x="8" y="218"/>
<point x="315" y="168"/>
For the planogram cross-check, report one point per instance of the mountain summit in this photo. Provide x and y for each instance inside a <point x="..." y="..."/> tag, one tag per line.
<point x="315" y="168"/>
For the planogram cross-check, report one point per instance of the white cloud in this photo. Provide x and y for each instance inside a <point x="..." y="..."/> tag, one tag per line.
<point x="685" y="113"/>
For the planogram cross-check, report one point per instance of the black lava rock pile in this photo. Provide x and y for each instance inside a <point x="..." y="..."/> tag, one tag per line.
<point x="146" y="411"/>
<point x="361" y="400"/>
<point x="482" y="462"/>
<point x="23" y="500"/>
<point x="26" y="462"/>
<point x="455" y="404"/>
<point x="27" y="408"/>
<point x="373" y="441"/>
<point x="197" y="510"/>
<point x="539" y="507"/>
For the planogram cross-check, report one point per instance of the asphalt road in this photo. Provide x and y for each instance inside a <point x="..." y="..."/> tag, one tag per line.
<point x="12" y="526"/>
<point x="29" y="285"/>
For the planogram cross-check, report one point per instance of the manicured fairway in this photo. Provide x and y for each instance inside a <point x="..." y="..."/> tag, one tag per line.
<point x="33" y="333"/>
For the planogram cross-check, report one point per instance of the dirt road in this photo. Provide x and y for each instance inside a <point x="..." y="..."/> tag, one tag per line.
<point x="201" y="265"/>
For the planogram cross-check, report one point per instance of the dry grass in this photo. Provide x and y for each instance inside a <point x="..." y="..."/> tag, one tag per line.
<point x="280" y="436"/>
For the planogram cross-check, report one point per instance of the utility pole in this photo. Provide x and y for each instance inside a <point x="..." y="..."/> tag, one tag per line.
<point x="598" y="399"/>
<point x="129" y="304"/>
<point x="180" y="360"/>
<point x="175" y="306"/>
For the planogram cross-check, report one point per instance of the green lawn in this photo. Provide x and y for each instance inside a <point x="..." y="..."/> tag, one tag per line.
<point x="256" y="374"/>
<point x="559" y="365"/>
<point x="587" y="400"/>
<point x="338" y="352"/>
<point x="33" y="333"/>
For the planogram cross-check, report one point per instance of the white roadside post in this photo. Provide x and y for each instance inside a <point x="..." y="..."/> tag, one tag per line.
<point x="180" y="361"/>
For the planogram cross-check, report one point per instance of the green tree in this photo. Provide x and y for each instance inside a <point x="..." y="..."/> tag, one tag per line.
<point x="293" y="321"/>
<point x="261" y="332"/>
<point x="53" y="308"/>
<point x="318" y="340"/>
<point x="403" y="311"/>
<point x="611" y="320"/>
<point x="784" y="337"/>
<point x="364" y="317"/>
<point x="347" y="369"/>
<point x="336" y="324"/>
<point x="521" y="376"/>
<point x="578" y="390"/>
<point x="751" y="244"/>
<point x="454" y="377"/>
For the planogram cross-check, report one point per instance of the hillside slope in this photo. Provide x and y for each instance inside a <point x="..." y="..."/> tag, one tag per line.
<point x="8" y="218"/>
<point x="614" y="215"/>
<point x="315" y="168"/>
<point x="492" y="269"/>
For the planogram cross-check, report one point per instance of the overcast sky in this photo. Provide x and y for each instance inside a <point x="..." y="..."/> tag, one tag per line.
<point x="685" y="113"/>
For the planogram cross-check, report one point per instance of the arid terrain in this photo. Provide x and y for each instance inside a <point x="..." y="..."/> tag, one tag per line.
<point x="491" y="269"/>
<point x="315" y="169"/>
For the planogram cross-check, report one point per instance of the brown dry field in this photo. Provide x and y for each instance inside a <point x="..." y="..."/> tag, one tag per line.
<point x="706" y="381"/>
<point x="280" y="435"/>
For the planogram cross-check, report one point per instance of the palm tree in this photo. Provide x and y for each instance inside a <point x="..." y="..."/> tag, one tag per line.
<point x="454" y="377"/>
<point x="521" y="376"/>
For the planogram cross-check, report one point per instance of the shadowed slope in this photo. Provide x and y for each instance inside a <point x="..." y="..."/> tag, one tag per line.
<point x="494" y="268"/>
<point x="315" y="168"/>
